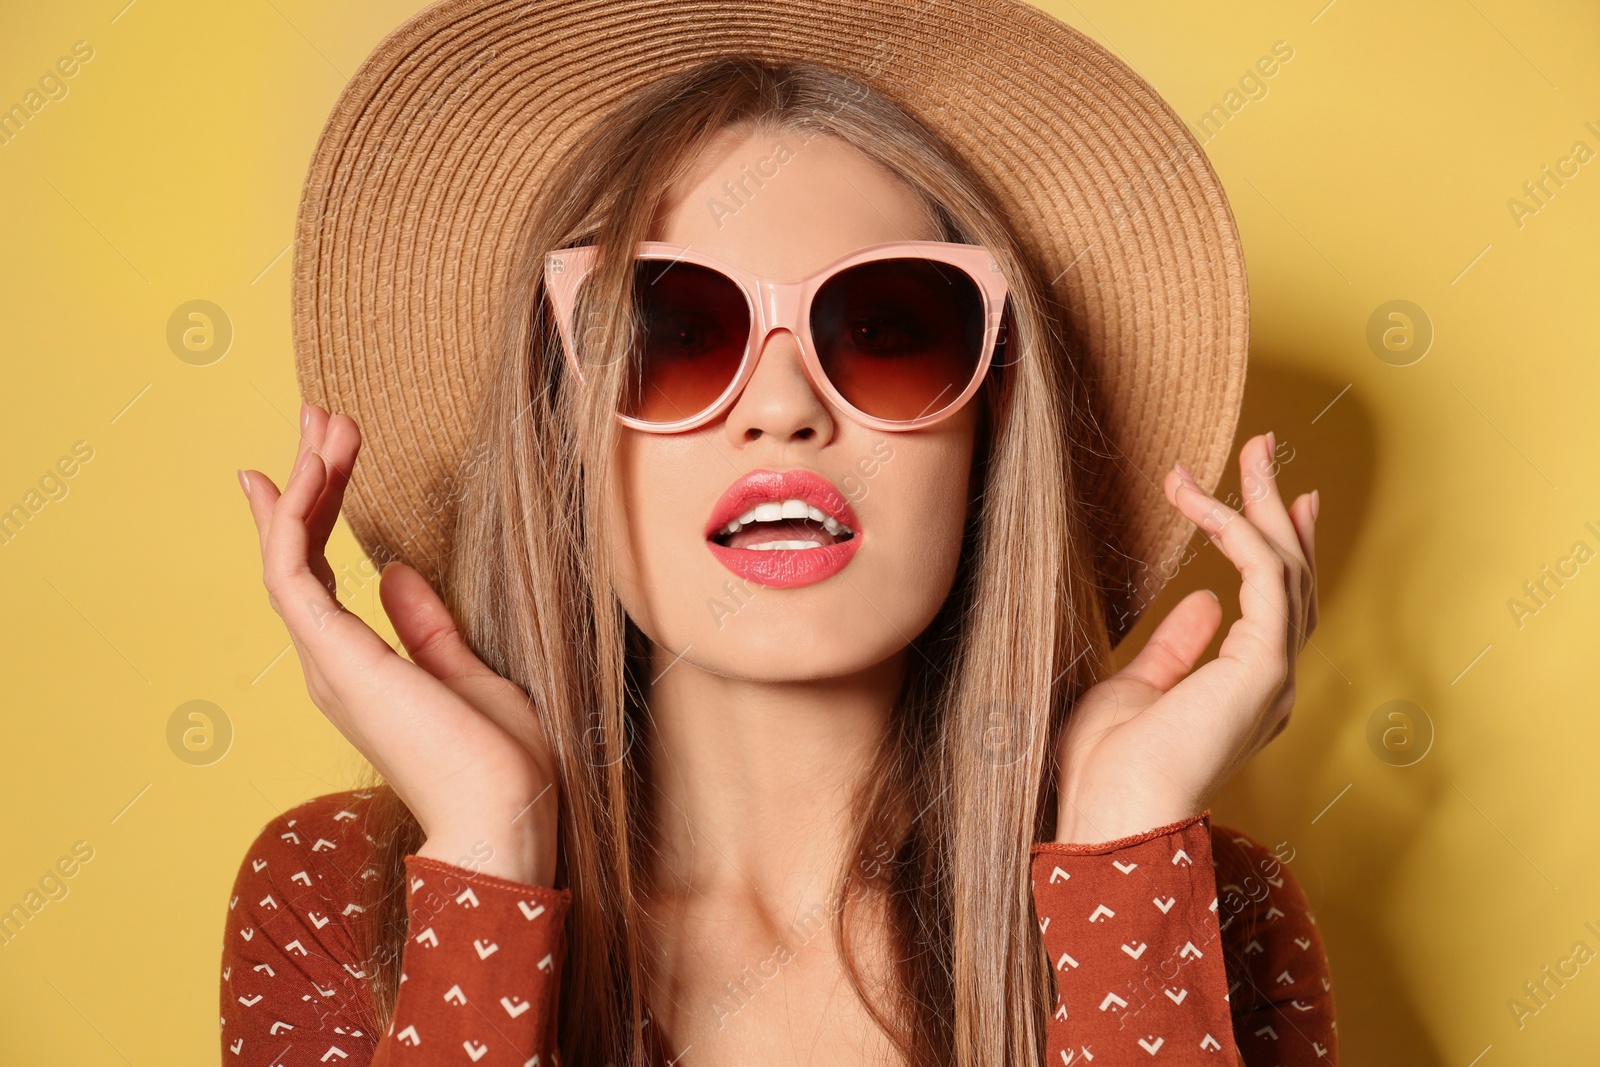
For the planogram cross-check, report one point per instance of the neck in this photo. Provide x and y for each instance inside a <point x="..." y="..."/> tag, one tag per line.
<point x="752" y="781"/>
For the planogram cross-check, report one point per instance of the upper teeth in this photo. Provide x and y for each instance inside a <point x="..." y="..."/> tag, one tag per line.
<point x="785" y="509"/>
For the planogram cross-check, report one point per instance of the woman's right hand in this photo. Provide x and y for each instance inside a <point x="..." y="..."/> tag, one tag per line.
<point x="457" y="742"/>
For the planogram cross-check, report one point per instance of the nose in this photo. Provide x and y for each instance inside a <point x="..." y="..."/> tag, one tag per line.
<point x="779" y="402"/>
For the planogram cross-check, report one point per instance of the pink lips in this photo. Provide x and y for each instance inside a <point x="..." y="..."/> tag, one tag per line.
<point x="783" y="568"/>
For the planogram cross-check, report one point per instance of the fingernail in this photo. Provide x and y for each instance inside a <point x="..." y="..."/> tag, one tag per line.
<point x="305" y="415"/>
<point x="1214" y="595"/>
<point x="244" y="482"/>
<point x="1272" y="444"/>
<point x="1316" y="504"/>
<point x="1183" y="472"/>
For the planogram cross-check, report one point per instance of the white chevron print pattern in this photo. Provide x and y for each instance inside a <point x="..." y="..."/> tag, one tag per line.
<point x="1143" y="950"/>
<point x="1123" y="958"/>
<point x="303" y="981"/>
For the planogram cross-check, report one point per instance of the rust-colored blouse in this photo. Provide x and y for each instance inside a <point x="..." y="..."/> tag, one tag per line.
<point x="1187" y="944"/>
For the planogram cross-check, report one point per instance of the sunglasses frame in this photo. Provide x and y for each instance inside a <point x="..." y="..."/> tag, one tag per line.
<point x="775" y="305"/>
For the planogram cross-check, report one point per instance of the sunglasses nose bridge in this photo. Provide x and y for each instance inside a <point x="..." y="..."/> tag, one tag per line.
<point x="778" y="306"/>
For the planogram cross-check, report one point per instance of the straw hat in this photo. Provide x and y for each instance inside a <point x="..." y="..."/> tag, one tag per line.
<point x="437" y="148"/>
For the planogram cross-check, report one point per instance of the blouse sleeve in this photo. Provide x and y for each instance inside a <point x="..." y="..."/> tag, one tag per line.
<point x="1152" y="962"/>
<point x="1132" y="933"/>
<point x="1278" y="974"/>
<point x="480" y="968"/>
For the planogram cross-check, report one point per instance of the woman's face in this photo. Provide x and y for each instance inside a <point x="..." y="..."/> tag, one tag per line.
<point x="694" y="595"/>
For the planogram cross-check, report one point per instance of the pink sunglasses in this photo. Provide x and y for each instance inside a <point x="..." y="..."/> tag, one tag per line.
<point x="899" y="335"/>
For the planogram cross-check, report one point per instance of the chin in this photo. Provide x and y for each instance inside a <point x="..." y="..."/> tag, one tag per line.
<point x="739" y="629"/>
<point x="765" y="650"/>
<point x="830" y="630"/>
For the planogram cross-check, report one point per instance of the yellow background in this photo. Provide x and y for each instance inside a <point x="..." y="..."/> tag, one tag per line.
<point x="1378" y="166"/>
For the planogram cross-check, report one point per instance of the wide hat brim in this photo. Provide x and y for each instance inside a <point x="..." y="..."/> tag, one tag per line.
<point x="438" y="147"/>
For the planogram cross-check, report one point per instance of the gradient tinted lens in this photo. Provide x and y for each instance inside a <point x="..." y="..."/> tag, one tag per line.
<point x="695" y="325"/>
<point x="899" y="338"/>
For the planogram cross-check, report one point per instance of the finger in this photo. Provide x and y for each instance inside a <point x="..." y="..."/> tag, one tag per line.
<point x="1263" y="593"/>
<point x="350" y="671"/>
<point x="431" y="638"/>
<point x="1304" y="513"/>
<point x="302" y="586"/>
<point x="314" y="434"/>
<point x="340" y="445"/>
<point x="314" y="423"/>
<point x="1264" y="507"/>
<point x="1263" y="504"/>
<point x="426" y="628"/>
<point x="339" y="653"/>
<point x="288" y="542"/>
<point x="303" y="442"/>
<point x="262" y="496"/>
<point x="1177" y="642"/>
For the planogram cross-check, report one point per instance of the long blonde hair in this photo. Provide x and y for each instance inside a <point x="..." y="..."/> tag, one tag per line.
<point x="965" y="784"/>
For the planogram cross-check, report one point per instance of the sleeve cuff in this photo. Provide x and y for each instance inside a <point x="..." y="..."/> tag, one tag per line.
<point x="423" y="865"/>
<point x="1102" y="847"/>
<point x="1130" y="930"/>
<point x="482" y="966"/>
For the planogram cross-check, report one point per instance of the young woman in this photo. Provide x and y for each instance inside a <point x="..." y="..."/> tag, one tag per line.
<point x="766" y="715"/>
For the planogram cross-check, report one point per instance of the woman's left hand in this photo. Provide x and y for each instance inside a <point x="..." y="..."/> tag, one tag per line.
<point x="1151" y="744"/>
